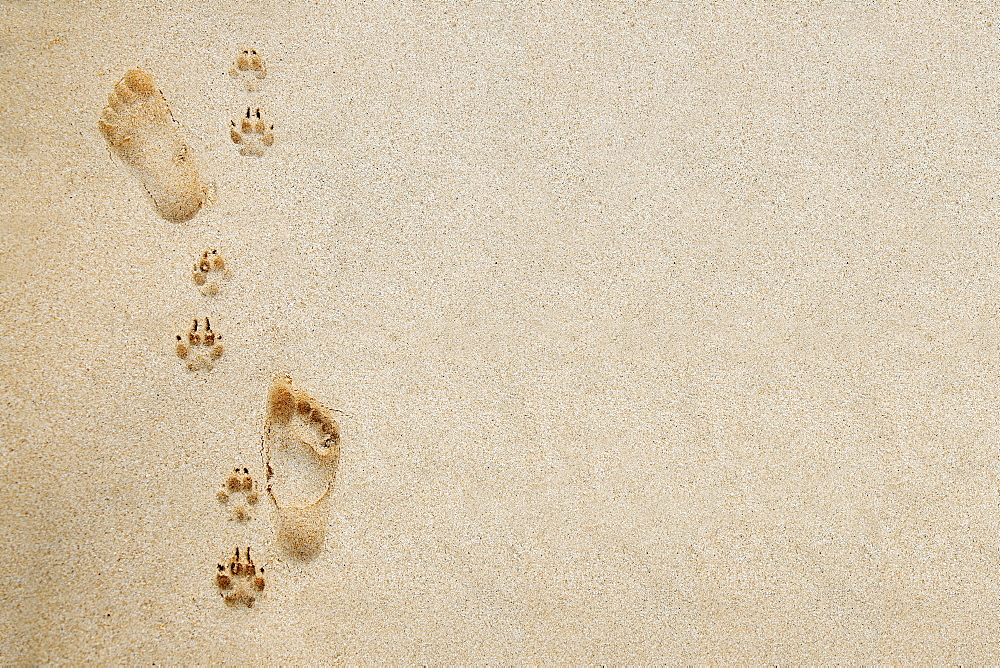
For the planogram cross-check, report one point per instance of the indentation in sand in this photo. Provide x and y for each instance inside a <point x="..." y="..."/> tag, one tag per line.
<point x="239" y="493"/>
<point x="238" y="580"/>
<point x="302" y="451"/>
<point x="210" y="271"/>
<point x="249" y="68"/>
<point x="253" y="134"/>
<point x="200" y="347"/>
<point x="138" y="124"/>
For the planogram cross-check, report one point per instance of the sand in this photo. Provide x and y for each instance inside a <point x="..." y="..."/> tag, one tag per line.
<point x="660" y="333"/>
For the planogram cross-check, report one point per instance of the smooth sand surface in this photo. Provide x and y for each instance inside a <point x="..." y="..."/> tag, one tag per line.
<point x="662" y="333"/>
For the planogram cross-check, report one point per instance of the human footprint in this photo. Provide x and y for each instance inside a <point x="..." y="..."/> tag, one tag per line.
<point x="301" y="452"/>
<point x="138" y="124"/>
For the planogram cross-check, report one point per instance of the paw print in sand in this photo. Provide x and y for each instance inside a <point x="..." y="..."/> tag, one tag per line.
<point x="239" y="483"/>
<point x="238" y="580"/>
<point x="209" y="271"/>
<point x="253" y="134"/>
<point x="200" y="348"/>
<point x="249" y="68"/>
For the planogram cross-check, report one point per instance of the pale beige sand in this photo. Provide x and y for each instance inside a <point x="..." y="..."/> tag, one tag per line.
<point x="663" y="333"/>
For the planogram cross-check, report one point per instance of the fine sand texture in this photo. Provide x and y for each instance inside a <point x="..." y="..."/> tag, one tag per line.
<point x="653" y="333"/>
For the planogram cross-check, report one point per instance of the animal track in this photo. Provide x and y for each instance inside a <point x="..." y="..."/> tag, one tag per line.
<point x="138" y="124"/>
<point x="199" y="348"/>
<point x="301" y="453"/>
<point x="249" y="67"/>
<point x="209" y="271"/>
<point x="254" y="135"/>
<point x="239" y="581"/>
<point x="239" y="483"/>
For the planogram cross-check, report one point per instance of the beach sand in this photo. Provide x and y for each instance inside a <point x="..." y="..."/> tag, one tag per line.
<point x="658" y="332"/>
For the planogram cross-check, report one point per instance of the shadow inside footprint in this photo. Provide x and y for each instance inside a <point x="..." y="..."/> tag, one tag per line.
<point x="302" y="531"/>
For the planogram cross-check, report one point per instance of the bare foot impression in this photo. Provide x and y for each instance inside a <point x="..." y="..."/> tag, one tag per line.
<point x="209" y="271"/>
<point x="138" y="124"/>
<point x="249" y="68"/>
<point x="253" y="134"/>
<point x="301" y="453"/>
<point x="200" y="347"/>
<point x="239" y="493"/>
<point x="238" y="579"/>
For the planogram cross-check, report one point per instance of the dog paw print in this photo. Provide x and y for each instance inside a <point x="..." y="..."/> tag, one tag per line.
<point x="249" y="68"/>
<point x="238" y="580"/>
<point x="239" y="493"/>
<point x="253" y="134"/>
<point x="200" y="347"/>
<point x="209" y="272"/>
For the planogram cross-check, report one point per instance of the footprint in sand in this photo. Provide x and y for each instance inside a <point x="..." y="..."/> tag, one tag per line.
<point x="253" y="134"/>
<point x="239" y="484"/>
<point x="238" y="579"/>
<point x="200" y="347"/>
<point x="249" y="68"/>
<point x="301" y="452"/>
<point x="209" y="272"/>
<point x="137" y="122"/>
